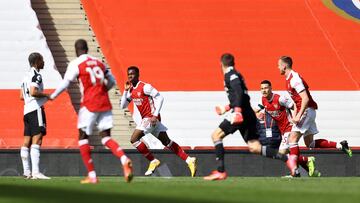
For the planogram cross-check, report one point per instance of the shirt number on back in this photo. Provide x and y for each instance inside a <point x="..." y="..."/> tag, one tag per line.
<point x="95" y="73"/>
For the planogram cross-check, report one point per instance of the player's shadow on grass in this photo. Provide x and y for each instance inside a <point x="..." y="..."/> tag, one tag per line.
<point x="39" y="194"/>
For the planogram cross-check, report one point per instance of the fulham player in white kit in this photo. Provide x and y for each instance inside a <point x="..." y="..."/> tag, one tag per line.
<point x="305" y="112"/>
<point x="148" y="101"/>
<point x="34" y="117"/>
<point x="95" y="108"/>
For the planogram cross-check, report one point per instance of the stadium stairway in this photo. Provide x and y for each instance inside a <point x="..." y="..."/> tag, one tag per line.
<point x="63" y="22"/>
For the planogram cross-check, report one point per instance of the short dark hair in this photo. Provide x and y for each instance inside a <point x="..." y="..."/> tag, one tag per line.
<point x="135" y="68"/>
<point x="227" y="59"/>
<point x="265" y="82"/>
<point x="34" y="58"/>
<point x="81" y="45"/>
<point x="287" y="60"/>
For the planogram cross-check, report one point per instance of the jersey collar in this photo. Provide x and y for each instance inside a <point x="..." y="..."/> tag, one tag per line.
<point x="34" y="69"/>
<point x="272" y="97"/>
<point x="137" y="84"/>
<point x="228" y="69"/>
<point x="291" y="73"/>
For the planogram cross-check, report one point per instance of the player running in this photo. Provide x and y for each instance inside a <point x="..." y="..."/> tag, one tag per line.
<point x="305" y="112"/>
<point x="148" y="102"/>
<point x="95" y="82"/>
<point x="31" y="92"/>
<point x="240" y="117"/>
<point x="278" y="108"/>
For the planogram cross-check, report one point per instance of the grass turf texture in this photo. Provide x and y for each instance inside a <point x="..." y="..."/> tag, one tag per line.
<point x="180" y="189"/>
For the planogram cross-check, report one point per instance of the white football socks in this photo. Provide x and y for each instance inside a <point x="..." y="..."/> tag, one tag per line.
<point x="35" y="157"/>
<point x="24" y="154"/>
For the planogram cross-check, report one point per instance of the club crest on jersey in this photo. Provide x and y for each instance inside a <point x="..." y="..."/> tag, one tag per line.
<point x="276" y="106"/>
<point x="139" y="94"/>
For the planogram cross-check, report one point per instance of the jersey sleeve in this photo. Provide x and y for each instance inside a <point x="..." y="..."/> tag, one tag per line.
<point x="286" y="102"/>
<point x="36" y="80"/>
<point x="72" y="72"/>
<point x="150" y="90"/>
<point x="235" y="84"/>
<point x="297" y="83"/>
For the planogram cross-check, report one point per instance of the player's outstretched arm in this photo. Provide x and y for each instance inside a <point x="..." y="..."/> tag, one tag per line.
<point x="109" y="80"/>
<point x="71" y="74"/>
<point x="34" y="92"/>
<point x="62" y="86"/>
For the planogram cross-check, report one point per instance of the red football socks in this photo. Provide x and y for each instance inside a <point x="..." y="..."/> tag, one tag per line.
<point x="142" y="148"/>
<point x="173" y="146"/>
<point x="113" y="146"/>
<point x="322" y="143"/>
<point x="86" y="154"/>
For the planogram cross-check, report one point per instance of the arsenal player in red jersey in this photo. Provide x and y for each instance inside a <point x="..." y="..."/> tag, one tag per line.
<point x="305" y="112"/>
<point x="148" y="102"/>
<point x="95" y="81"/>
<point x="279" y="106"/>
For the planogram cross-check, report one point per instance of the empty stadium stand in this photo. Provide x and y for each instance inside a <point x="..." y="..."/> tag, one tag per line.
<point x="63" y="22"/>
<point x="51" y="28"/>
<point x="177" y="46"/>
<point x="20" y="34"/>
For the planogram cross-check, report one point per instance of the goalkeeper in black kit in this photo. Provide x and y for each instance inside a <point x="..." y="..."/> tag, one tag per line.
<point x="239" y="116"/>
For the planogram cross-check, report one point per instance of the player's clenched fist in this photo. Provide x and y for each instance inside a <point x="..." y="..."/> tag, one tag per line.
<point x="127" y="85"/>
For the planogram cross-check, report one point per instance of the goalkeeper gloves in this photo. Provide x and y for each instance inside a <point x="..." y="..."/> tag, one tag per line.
<point x="236" y="117"/>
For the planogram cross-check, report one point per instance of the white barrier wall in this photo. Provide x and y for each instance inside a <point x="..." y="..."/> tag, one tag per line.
<point x="191" y="118"/>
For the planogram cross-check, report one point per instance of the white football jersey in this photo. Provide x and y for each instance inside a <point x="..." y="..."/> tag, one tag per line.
<point x="32" y="79"/>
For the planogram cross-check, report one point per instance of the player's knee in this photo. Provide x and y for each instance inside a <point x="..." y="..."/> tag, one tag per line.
<point x="105" y="133"/>
<point x="134" y="139"/>
<point x="254" y="147"/>
<point x="165" y="142"/>
<point x="26" y="143"/>
<point x="282" y="151"/>
<point x="215" y="137"/>
<point x="164" y="138"/>
<point x="82" y="135"/>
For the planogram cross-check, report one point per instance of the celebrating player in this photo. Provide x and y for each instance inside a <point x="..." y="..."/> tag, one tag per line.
<point x="148" y="102"/>
<point x="305" y="112"/>
<point x="277" y="107"/>
<point x="95" y="80"/>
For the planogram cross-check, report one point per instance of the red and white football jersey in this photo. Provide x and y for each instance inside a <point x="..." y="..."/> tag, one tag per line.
<point x="142" y="96"/>
<point x="276" y="107"/>
<point x="91" y="73"/>
<point x="294" y="85"/>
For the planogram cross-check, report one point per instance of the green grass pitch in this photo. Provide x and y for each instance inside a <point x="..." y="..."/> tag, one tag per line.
<point x="181" y="189"/>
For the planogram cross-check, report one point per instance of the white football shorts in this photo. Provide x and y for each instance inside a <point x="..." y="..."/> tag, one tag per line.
<point x="307" y="124"/>
<point x="87" y="120"/>
<point x="284" y="145"/>
<point x="146" y="127"/>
